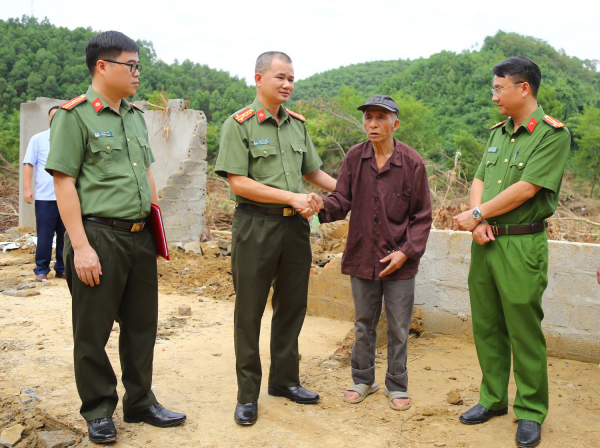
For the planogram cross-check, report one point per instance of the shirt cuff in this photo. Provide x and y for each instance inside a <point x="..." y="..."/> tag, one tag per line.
<point x="407" y="250"/>
<point x="223" y="170"/>
<point x="71" y="172"/>
<point x="541" y="183"/>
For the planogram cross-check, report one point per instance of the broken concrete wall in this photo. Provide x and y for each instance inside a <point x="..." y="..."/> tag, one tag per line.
<point x="571" y="301"/>
<point x="175" y="135"/>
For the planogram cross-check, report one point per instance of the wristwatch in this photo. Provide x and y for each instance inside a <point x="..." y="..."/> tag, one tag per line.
<point x="477" y="214"/>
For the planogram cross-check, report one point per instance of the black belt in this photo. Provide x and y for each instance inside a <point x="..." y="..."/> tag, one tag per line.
<point x="503" y="229"/>
<point x="281" y="211"/>
<point x="124" y="225"/>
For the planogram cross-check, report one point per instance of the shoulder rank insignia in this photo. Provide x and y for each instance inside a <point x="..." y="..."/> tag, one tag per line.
<point x="134" y="106"/>
<point x="243" y="115"/>
<point x="497" y="125"/>
<point x="74" y="102"/>
<point x="553" y="122"/>
<point x="296" y="115"/>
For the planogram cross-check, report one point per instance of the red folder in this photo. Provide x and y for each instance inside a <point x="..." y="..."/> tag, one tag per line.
<point x="158" y="229"/>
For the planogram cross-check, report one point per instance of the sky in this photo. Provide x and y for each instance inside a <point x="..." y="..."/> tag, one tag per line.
<point x="320" y="35"/>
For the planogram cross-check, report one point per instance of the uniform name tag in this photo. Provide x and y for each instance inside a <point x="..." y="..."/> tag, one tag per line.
<point x="493" y="149"/>
<point x="264" y="141"/>
<point x="103" y="134"/>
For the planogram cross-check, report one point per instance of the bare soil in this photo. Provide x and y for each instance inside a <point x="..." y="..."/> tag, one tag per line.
<point x="194" y="372"/>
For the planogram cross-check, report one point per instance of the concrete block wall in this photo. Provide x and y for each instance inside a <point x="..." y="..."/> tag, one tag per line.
<point x="571" y="302"/>
<point x="183" y="198"/>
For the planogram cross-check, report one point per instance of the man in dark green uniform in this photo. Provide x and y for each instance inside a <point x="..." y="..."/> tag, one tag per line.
<point x="515" y="189"/>
<point x="266" y="152"/>
<point x="100" y="159"/>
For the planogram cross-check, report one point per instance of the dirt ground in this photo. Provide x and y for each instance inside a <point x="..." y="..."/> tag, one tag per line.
<point x="194" y="372"/>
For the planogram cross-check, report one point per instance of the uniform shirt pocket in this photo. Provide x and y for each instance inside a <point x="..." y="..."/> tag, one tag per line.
<point x="299" y="148"/>
<point x="146" y="151"/>
<point x="490" y="168"/>
<point x="265" y="162"/>
<point x="108" y="156"/>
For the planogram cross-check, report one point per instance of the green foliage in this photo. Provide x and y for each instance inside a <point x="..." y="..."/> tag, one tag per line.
<point x="586" y="161"/>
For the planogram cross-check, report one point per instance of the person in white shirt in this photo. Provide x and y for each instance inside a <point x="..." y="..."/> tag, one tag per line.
<point x="47" y="217"/>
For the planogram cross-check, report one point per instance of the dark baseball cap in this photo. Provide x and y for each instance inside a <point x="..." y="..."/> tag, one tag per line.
<point x="384" y="101"/>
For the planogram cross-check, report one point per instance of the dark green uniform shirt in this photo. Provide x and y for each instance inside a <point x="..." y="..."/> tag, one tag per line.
<point x="107" y="153"/>
<point x="274" y="155"/>
<point x="536" y="153"/>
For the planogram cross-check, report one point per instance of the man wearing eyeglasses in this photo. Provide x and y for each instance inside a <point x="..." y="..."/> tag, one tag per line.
<point x="100" y="160"/>
<point x="515" y="189"/>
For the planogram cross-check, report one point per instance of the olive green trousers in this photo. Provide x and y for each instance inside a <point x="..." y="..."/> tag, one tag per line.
<point x="269" y="250"/>
<point x="128" y="294"/>
<point x="507" y="279"/>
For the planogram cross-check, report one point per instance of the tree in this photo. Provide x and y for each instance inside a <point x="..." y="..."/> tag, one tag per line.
<point x="586" y="159"/>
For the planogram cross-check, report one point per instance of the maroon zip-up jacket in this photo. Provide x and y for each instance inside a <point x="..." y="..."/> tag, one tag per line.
<point x="391" y="210"/>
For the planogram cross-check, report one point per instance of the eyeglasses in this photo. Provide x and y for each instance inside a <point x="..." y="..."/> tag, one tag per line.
<point x="499" y="91"/>
<point x="132" y="67"/>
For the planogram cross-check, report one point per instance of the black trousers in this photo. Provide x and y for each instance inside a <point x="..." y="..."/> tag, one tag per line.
<point x="48" y="222"/>
<point x="269" y="250"/>
<point x="128" y="294"/>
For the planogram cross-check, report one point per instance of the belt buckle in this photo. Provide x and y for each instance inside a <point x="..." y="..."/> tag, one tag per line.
<point x="495" y="230"/>
<point x="289" y="212"/>
<point x="137" y="227"/>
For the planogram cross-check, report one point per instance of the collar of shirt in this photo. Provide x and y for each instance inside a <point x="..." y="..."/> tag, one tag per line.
<point x="99" y="104"/>
<point x="529" y="124"/>
<point x="263" y="114"/>
<point x="396" y="157"/>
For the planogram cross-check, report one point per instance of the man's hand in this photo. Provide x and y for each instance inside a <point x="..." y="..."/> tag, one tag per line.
<point x="87" y="265"/>
<point x="483" y="233"/>
<point x="465" y="221"/>
<point x="318" y="200"/>
<point x="28" y="196"/>
<point x="304" y="205"/>
<point x="396" y="260"/>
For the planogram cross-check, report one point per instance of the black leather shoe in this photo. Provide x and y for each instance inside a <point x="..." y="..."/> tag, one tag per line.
<point x="246" y="414"/>
<point x="297" y="394"/>
<point x="478" y="414"/>
<point x="102" y="430"/>
<point x="157" y="416"/>
<point x="529" y="433"/>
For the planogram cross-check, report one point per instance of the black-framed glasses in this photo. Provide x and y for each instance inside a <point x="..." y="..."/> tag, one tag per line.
<point x="132" y="66"/>
<point x="499" y="91"/>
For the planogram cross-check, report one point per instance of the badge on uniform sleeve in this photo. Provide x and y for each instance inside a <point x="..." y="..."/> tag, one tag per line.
<point x="493" y="149"/>
<point x="101" y="134"/>
<point x="264" y="141"/>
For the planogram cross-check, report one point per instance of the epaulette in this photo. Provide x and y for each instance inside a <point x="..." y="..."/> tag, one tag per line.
<point x="74" y="102"/>
<point x="553" y="122"/>
<point x="134" y="106"/>
<point x="243" y="115"/>
<point x="499" y="124"/>
<point x="296" y="115"/>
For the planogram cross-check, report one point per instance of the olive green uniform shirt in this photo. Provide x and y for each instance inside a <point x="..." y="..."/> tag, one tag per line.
<point x="536" y="153"/>
<point x="108" y="155"/>
<point x="274" y="155"/>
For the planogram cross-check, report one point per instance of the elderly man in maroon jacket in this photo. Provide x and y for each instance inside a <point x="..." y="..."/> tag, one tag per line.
<point x="384" y="183"/>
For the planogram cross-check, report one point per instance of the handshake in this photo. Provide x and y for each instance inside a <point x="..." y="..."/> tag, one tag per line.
<point x="307" y="204"/>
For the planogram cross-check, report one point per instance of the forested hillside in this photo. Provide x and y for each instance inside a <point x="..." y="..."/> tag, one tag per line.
<point x="445" y="100"/>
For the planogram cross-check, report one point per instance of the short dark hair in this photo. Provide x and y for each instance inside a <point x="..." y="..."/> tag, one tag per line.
<point x="110" y="45"/>
<point x="52" y="108"/>
<point x="265" y="60"/>
<point x="520" y="68"/>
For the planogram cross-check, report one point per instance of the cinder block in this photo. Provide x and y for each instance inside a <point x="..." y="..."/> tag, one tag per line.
<point x="180" y="178"/>
<point x="193" y="193"/>
<point x="556" y="313"/>
<point x="171" y="219"/>
<point x="587" y="317"/>
<point x="176" y="233"/>
<point x="192" y="167"/>
<point x="170" y="192"/>
<point x="197" y="154"/>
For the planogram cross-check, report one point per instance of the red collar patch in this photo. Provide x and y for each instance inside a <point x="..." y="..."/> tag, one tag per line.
<point x="499" y="124"/>
<point x="553" y="122"/>
<point x="261" y="115"/>
<point x="532" y="124"/>
<point x="97" y="105"/>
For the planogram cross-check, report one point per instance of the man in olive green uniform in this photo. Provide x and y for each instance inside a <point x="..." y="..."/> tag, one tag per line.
<point x="515" y="189"/>
<point x="266" y="152"/>
<point x="100" y="159"/>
